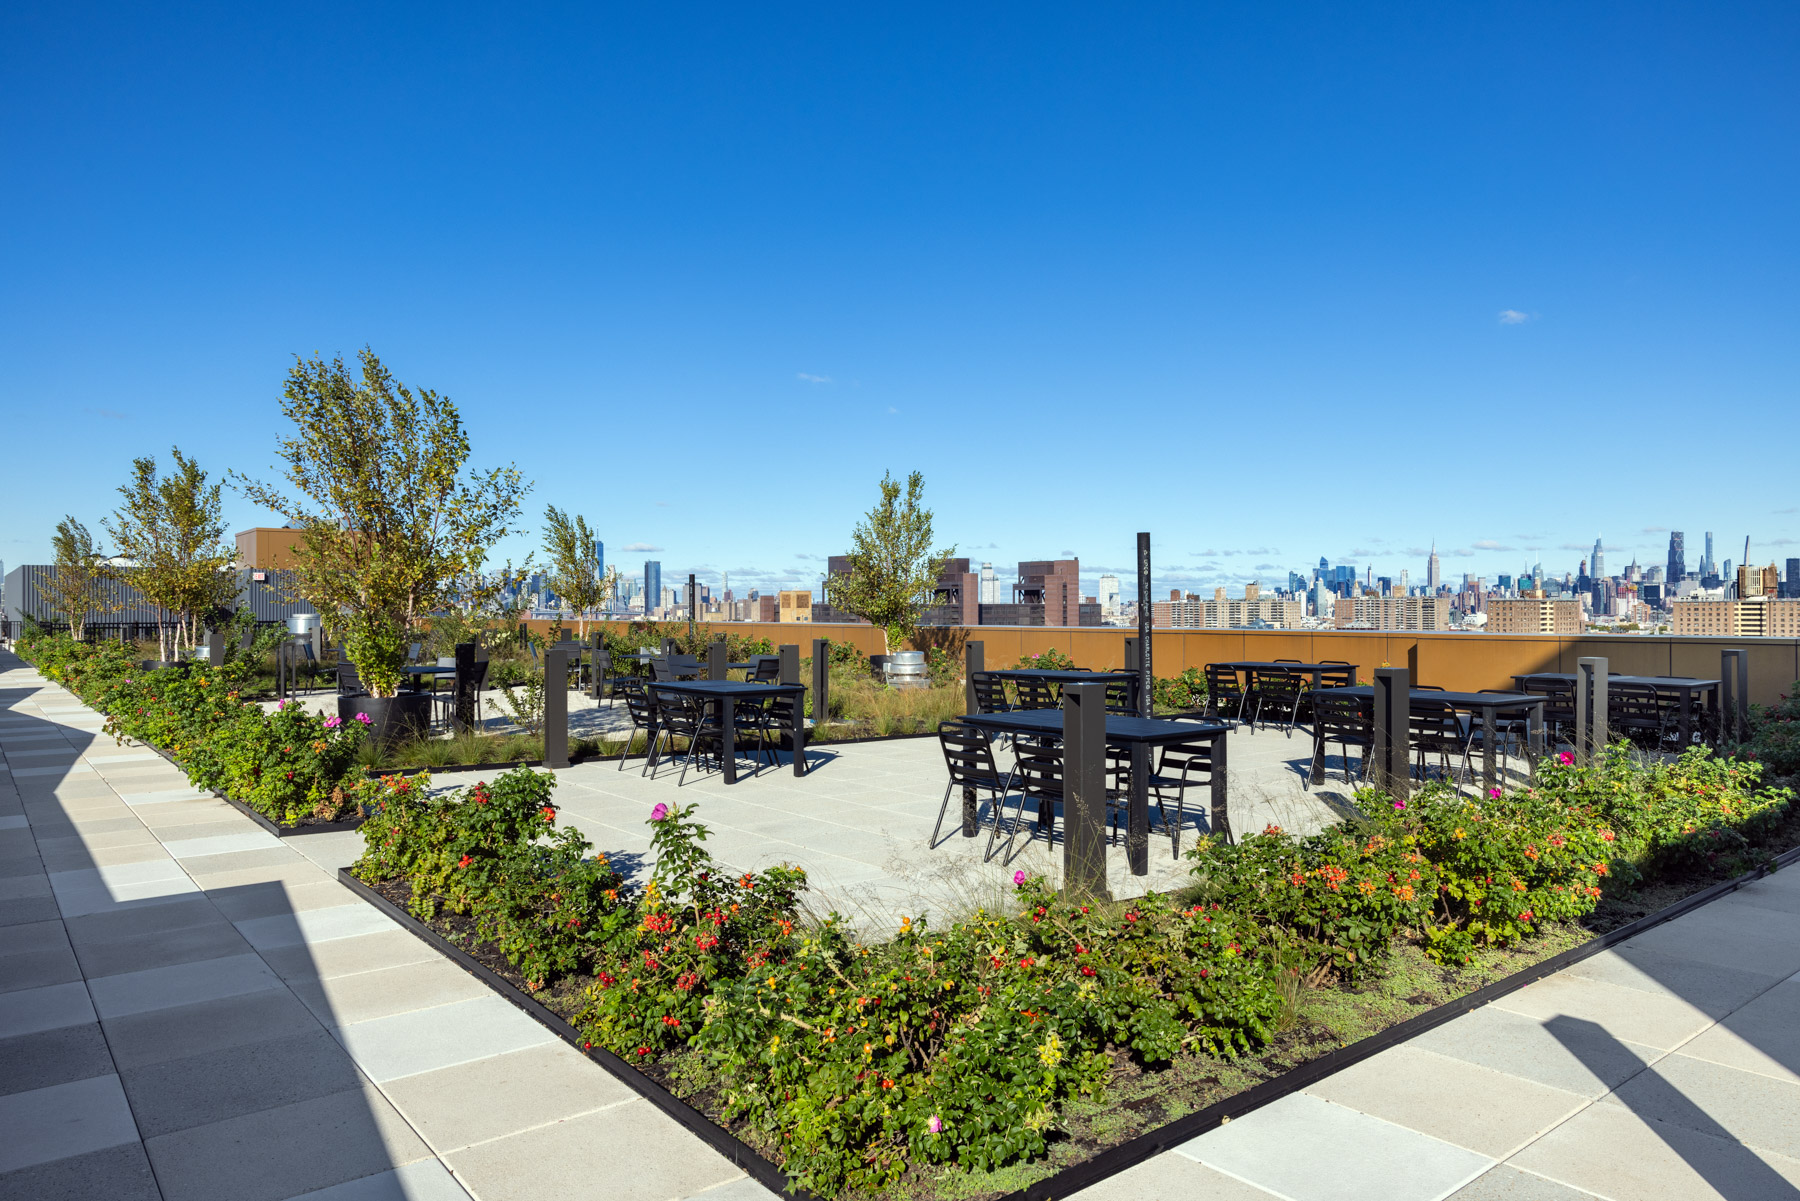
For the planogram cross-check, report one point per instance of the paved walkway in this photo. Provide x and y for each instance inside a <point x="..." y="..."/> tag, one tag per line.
<point x="190" y="1008"/>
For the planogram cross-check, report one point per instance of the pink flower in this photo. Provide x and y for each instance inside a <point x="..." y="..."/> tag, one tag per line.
<point x="332" y="723"/>
<point x="1399" y="804"/>
<point x="1018" y="878"/>
<point x="1494" y="792"/>
<point x="660" y="813"/>
<point x="364" y="719"/>
<point x="1564" y="758"/>
<point x="934" y="1124"/>
<point x="280" y="705"/>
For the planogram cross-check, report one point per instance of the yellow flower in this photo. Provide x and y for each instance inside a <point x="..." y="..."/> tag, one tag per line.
<point x="889" y="1040"/>
<point x="775" y="1044"/>
<point x="1050" y="1053"/>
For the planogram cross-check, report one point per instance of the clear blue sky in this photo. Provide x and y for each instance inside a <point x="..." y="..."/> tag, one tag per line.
<point x="1273" y="283"/>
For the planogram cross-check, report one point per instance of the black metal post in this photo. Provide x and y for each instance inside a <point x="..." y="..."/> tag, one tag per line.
<point x="462" y="704"/>
<point x="794" y="739"/>
<point x="693" y="606"/>
<point x="821" y="681"/>
<point x="1591" y="709"/>
<point x="1734" y="700"/>
<point x="1146" y="685"/>
<point x="556" y="704"/>
<point x="1221" y="812"/>
<point x="215" y="647"/>
<point x="716" y="658"/>
<point x="974" y="662"/>
<point x="1084" y="790"/>
<point x="790" y="663"/>
<point x="599" y="665"/>
<point x="1393" y="714"/>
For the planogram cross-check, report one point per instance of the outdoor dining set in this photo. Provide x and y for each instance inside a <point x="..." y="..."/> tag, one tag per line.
<point x="672" y="697"/>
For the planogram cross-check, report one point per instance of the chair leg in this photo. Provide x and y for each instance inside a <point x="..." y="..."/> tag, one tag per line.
<point x="943" y="809"/>
<point x="999" y="817"/>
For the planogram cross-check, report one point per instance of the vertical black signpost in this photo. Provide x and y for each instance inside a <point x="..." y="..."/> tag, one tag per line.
<point x="974" y="663"/>
<point x="599" y="661"/>
<point x="1137" y="831"/>
<point x="556" y="704"/>
<point x="463" y="703"/>
<point x="1084" y="784"/>
<point x="821" y="682"/>
<point x="716" y="658"/>
<point x="795" y="738"/>
<point x="1393" y="713"/>
<point x="693" y="606"/>
<point x="215" y="647"/>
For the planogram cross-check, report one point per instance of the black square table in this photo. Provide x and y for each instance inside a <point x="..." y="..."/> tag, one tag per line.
<point x="1138" y="735"/>
<point x="727" y="693"/>
<point x="1679" y="684"/>
<point x="1489" y="704"/>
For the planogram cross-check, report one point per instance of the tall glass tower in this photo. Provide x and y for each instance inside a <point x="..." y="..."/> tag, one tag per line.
<point x="1597" y="568"/>
<point x="652" y="584"/>
<point x="1677" y="565"/>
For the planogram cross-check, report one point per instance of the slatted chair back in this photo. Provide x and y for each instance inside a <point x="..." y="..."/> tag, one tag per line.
<point x="990" y="693"/>
<point x="1633" y="710"/>
<point x="1121" y="697"/>
<point x="1343" y="719"/>
<point x="968" y="755"/>
<point x="767" y="669"/>
<point x="1434" y="729"/>
<point x="1341" y="675"/>
<point x="1224" y="690"/>
<point x="349" y="683"/>
<point x="1038" y="768"/>
<point x="1036" y="694"/>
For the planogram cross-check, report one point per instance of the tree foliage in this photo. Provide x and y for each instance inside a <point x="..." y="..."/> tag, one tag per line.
<point x="389" y="522"/>
<point x="172" y="529"/>
<point x="892" y="566"/>
<point x="79" y="585"/>
<point x="575" y="574"/>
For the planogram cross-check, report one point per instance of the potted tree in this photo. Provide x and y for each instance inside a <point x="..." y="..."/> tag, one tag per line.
<point x="388" y="520"/>
<point x="893" y="569"/>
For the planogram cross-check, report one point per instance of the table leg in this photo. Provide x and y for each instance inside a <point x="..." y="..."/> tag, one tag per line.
<point x="1221" y="816"/>
<point x="970" y="828"/>
<point x="1137" y="815"/>
<point x="1534" y="742"/>
<point x="728" y="738"/>
<point x="1687" y="717"/>
<point x="797" y="735"/>
<point x="1487" y="749"/>
<point x="1317" y="775"/>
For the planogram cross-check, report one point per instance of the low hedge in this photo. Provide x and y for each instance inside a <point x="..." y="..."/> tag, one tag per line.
<point x="857" y="1061"/>
<point x="290" y="765"/>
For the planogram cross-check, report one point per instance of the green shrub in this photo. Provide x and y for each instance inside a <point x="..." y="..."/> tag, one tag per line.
<point x="1775" y="735"/>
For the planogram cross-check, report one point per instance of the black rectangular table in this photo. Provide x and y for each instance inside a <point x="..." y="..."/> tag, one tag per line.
<point x="727" y="693"/>
<point x="1139" y="735"/>
<point x="1311" y="670"/>
<point x="1683" y="685"/>
<point x="1488" y="704"/>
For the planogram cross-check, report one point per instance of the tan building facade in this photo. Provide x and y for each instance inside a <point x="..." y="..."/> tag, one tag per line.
<point x="796" y="605"/>
<point x="1391" y="613"/>
<point x="1533" y="615"/>
<point x="1759" y="617"/>
<point x="1251" y="611"/>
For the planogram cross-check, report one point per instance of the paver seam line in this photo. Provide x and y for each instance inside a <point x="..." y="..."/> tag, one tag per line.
<point x="482" y="1142"/>
<point x="1213" y="1167"/>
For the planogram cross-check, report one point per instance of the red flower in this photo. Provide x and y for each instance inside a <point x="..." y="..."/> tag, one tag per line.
<point x="464" y="861"/>
<point x="549" y="812"/>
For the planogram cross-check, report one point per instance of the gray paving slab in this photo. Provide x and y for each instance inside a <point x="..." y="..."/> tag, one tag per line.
<point x="56" y="1056"/>
<point x="1628" y="1014"/>
<point x="61" y="1120"/>
<point x="1166" y="1178"/>
<point x="179" y="1031"/>
<point x="1308" y="1149"/>
<point x="565" y="1158"/>
<point x="1503" y="1182"/>
<point x="421" y="1040"/>
<point x="315" y="925"/>
<point x="195" y="1090"/>
<point x="422" y="1180"/>
<point x="384" y="992"/>
<point x="118" y="1173"/>
<point x="1763" y="1036"/>
<point x="29" y="1010"/>
<point x="271" y="1154"/>
<point x="490" y="1098"/>
<point x="181" y="984"/>
<point x="1712" y="1099"/>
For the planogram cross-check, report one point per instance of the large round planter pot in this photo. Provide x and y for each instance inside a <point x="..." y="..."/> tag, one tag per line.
<point x="391" y="718"/>
<point x="906" y="669"/>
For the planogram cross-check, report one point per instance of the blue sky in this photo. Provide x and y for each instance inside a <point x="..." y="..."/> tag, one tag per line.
<point x="1270" y="283"/>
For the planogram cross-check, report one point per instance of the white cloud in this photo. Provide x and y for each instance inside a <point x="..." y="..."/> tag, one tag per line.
<point x="1515" y="317"/>
<point x="814" y="379"/>
<point x="892" y="409"/>
<point x="638" y="547"/>
<point x="1490" y="544"/>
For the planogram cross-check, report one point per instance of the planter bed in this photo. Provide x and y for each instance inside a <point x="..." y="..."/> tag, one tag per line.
<point x="268" y="823"/>
<point x="1171" y="1105"/>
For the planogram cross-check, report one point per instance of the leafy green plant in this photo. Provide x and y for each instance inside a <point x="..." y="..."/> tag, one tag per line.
<point x="523" y="703"/>
<point x="893" y="569"/>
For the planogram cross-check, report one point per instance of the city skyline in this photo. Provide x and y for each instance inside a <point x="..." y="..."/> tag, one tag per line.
<point x="1465" y="249"/>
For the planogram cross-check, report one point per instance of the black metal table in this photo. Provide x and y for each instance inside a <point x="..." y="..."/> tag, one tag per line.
<point x="727" y="693"/>
<point x="1059" y="678"/>
<point x="1489" y="704"/>
<point x="1312" y="671"/>
<point x="1682" y="684"/>
<point x="1137" y="734"/>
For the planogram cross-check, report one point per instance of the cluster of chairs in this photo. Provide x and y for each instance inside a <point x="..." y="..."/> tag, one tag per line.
<point x="1036" y="775"/>
<point x="991" y="694"/>
<point x="1262" y="695"/>
<point x="443" y="699"/>
<point x="677" y="725"/>
<point x="1647" y="715"/>
<point x="1437" y="733"/>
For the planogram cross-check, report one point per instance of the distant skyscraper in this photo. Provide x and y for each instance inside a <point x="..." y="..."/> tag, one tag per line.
<point x="1109" y="591"/>
<point x="1434" y="572"/>
<point x="652" y="584"/>
<point x="987" y="591"/>
<point x="1707" y="566"/>
<point x="1791" y="587"/>
<point x="1405" y="575"/>
<point x="1677" y="566"/>
<point x="1598" y="568"/>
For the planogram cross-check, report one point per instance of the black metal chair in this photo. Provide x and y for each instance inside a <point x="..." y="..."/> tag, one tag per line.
<point x="443" y="702"/>
<point x="775" y="722"/>
<point x="640" y="706"/>
<point x="1121" y="697"/>
<point x="1184" y="765"/>
<point x="1435" y="730"/>
<point x="1634" y="712"/>
<point x="1342" y="675"/>
<point x="990" y="693"/>
<point x="1038" y="773"/>
<point x="1277" y="692"/>
<point x="766" y="669"/>
<point x="1036" y="694"/>
<point x="348" y="682"/>
<point x="1347" y="721"/>
<point x="692" y="718"/>
<point x="1512" y="730"/>
<point x="1224" y="691"/>
<point x="969" y="758"/>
